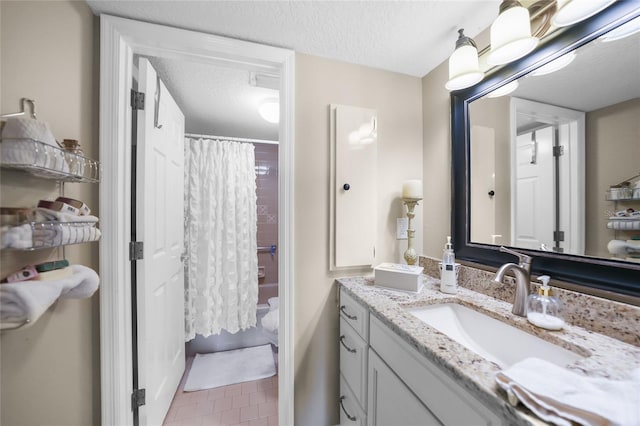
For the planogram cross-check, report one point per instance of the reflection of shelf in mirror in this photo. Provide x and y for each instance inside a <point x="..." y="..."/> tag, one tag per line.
<point x="42" y="235"/>
<point x="47" y="161"/>
<point x="624" y="223"/>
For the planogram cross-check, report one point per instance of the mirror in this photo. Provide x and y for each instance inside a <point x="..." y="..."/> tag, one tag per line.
<point x="535" y="169"/>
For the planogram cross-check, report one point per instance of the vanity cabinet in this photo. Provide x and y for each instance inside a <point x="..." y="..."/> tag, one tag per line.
<point x="385" y="381"/>
<point x="354" y="347"/>
<point x="428" y="394"/>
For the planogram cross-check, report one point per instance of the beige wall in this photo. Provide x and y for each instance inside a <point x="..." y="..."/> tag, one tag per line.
<point x="436" y="116"/>
<point x="612" y="155"/>
<point x="397" y="99"/>
<point x="50" y="371"/>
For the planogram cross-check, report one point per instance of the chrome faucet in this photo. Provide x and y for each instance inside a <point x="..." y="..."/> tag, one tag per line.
<point x="522" y="272"/>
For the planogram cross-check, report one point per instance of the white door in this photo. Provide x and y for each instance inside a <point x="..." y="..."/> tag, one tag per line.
<point x="483" y="172"/>
<point x="534" y="190"/>
<point x="159" y="223"/>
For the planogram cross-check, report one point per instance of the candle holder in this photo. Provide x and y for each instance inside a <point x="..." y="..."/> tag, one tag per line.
<point x="410" y="254"/>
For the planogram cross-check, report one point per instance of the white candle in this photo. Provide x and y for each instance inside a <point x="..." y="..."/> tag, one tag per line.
<point x="412" y="189"/>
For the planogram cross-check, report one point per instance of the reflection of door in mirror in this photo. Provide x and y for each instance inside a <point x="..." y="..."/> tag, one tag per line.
<point x="534" y="192"/>
<point x="547" y="199"/>
<point x="483" y="194"/>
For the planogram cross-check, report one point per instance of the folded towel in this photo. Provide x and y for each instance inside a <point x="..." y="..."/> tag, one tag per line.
<point x="28" y="128"/>
<point x="42" y="235"/>
<point x="560" y="396"/>
<point x="48" y="214"/>
<point x="28" y="300"/>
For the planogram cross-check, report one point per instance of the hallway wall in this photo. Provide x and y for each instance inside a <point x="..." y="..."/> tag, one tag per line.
<point x="49" y="52"/>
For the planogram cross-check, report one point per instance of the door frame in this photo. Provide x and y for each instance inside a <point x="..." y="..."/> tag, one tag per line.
<point x="120" y="39"/>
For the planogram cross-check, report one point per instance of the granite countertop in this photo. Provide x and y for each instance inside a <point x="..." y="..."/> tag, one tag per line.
<point x="604" y="356"/>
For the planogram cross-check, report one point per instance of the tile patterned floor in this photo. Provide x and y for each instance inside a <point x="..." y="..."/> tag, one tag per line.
<point x="243" y="404"/>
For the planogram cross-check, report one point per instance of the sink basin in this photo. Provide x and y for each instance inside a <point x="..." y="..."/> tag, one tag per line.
<point x="490" y="338"/>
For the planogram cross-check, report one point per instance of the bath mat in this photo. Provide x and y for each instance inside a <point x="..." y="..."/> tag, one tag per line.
<point x="230" y="367"/>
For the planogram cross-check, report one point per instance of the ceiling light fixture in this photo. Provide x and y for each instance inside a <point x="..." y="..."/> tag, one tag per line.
<point x="269" y="110"/>
<point x="555" y="65"/>
<point x="573" y="11"/>
<point x="464" y="69"/>
<point x="511" y="37"/>
<point x="504" y="90"/>
<point x="624" y="30"/>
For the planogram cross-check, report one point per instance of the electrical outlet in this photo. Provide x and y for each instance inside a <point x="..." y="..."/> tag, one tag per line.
<point x="402" y="224"/>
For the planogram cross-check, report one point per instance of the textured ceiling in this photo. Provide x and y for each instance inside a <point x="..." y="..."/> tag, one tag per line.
<point x="408" y="37"/>
<point x="217" y="100"/>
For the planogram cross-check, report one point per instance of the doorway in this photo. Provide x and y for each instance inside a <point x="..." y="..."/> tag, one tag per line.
<point x="120" y="40"/>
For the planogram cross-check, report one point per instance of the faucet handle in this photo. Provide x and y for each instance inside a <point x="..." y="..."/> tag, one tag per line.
<point x="523" y="259"/>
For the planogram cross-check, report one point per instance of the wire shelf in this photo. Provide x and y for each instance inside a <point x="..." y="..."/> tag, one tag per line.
<point x="48" y="161"/>
<point x="43" y="235"/>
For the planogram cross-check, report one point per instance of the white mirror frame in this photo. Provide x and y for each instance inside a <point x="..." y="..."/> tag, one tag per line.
<point x="120" y="39"/>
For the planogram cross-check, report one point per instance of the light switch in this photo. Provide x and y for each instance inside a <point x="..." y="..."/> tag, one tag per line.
<point x="402" y="224"/>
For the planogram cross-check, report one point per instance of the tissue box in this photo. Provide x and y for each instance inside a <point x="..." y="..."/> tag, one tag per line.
<point x="399" y="276"/>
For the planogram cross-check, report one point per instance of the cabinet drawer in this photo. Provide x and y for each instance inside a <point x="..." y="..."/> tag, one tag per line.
<point x="354" y="314"/>
<point x="447" y="400"/>
<point x="353" y="361"/>
<point x="350" y="412"/>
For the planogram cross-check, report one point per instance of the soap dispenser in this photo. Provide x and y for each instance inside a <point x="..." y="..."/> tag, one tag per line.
<point x="448" y="275"/>
<point x="543" y="310"/>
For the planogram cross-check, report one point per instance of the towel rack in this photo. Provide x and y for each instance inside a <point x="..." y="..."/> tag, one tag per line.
<point x="268" y="249"/>
<point x="5" y="326"/>
<point x="23" y="102"/>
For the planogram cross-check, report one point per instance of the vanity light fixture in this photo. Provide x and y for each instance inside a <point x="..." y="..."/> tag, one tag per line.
<point x="624" y="30"/>
<point x="504" y="90"/>
<point x="573" y="11"/>
<point x="555" y="65"/>
<point x="464" y="68"/>
<point x="269" y="110"/>
<point x="511" y="37"/>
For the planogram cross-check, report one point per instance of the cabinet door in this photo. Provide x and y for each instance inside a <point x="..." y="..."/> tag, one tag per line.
<point x="390" y="401"/>
<point x="353" y="191"/>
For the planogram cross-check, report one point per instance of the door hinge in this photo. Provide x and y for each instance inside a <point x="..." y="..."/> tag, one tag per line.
<point x="558" y="150"/>
<point x="558" y="236"/>
<point x="138" y="398"/>
<point x="137" y="100"/>
<point x="136" y="250"/>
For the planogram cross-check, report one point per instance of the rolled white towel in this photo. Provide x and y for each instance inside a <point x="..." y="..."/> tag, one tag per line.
<point x="560" y="396"/>
<point x="270" y="321"/>
<point x="28" y="300"/>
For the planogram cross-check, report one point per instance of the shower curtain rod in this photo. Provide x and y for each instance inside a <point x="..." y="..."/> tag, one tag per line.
<point x="228" y="138"/>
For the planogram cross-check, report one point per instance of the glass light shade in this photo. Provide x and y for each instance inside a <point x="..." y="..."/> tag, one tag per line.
<point x="504" y="90"/>
<point x="625" y="30"/>
<point x="464" y="70"/>
<point x="511" y="36"/>
<point x="573" y="11"/>
<point x="269" y="110"/>
<point x="555" y="65"/>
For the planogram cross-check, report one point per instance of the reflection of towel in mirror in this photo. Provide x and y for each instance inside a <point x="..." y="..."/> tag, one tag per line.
<point x="28" y="300"/>
<point x="560" y="396"/>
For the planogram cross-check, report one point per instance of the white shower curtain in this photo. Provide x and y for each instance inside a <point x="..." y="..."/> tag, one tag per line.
<point x="221" y="272"/>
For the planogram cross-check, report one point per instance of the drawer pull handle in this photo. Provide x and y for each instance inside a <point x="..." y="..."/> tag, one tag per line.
<point x="351" y="317"/>
<point x="345" y="346"/>
<point x="349" y="416"/>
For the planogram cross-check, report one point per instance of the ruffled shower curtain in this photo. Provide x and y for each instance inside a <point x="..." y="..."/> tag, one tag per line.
<point x="221" y="271"/>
